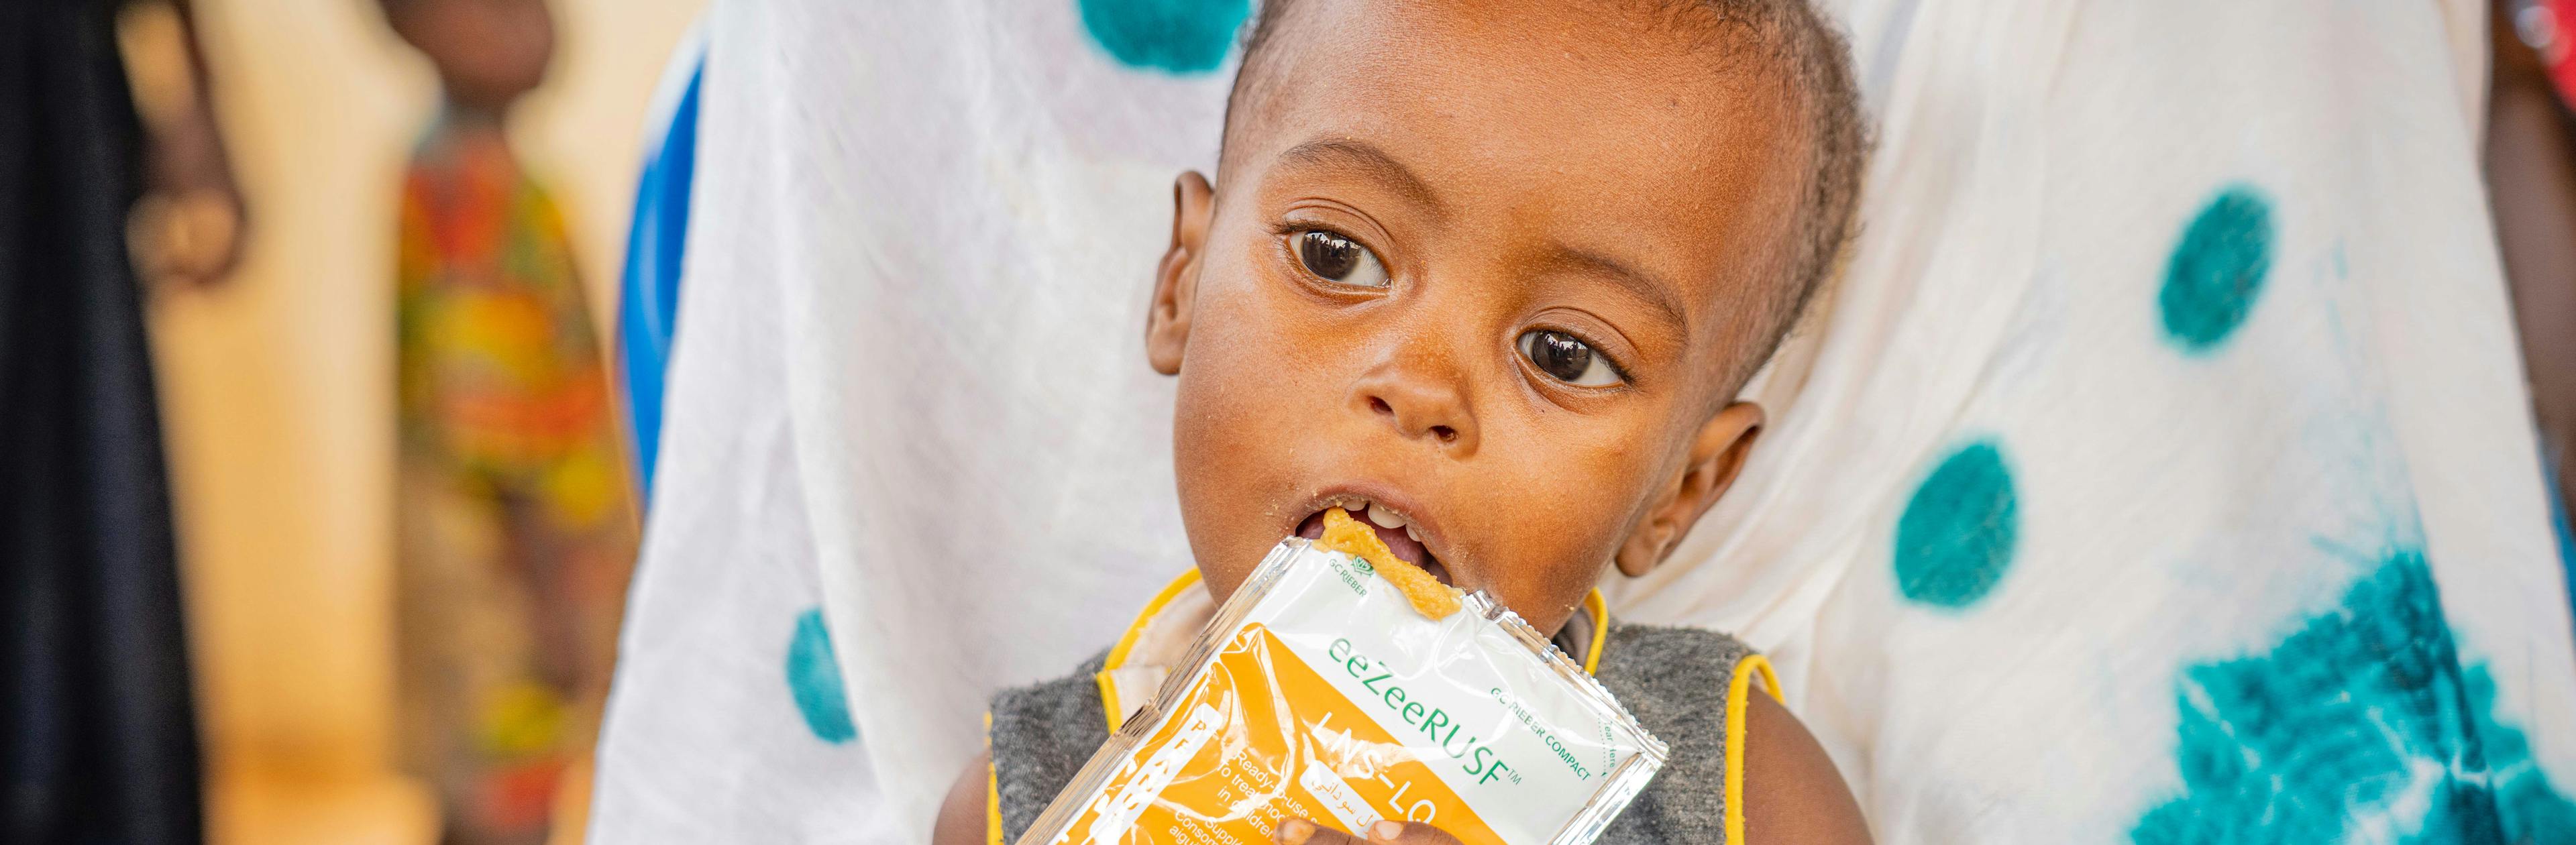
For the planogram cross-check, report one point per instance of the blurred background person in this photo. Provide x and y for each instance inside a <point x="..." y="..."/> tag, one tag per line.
<point x="513" y="520"/>
<point x="283" y="394"/>
<point x="2531" y="183"/>
<point x="98" y="739"/>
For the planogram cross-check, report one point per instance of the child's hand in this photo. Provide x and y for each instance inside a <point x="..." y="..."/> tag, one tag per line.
<point x="1303" y="832"/>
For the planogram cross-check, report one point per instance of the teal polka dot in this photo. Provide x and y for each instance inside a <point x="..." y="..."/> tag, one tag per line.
<point x="2217" y="269"/>
<point x="1955" y="539"/>
<point x="814" y="677"/>
<point x="2367" y="717"/>
<point x="1175" y="36"/>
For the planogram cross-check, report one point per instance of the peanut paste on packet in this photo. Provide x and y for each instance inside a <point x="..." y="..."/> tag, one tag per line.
<point x="1345" y="534"/>
<point x="1322" y="692"/>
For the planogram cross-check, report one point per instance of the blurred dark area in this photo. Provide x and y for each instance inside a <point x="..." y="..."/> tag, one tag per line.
<point x="2531" y="179"/>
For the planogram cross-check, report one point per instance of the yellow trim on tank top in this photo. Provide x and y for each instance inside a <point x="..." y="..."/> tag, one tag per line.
<point x="992" y="787"/>
<point x="1738" y="698"/>
<point x="1599" y="607"/>
<point x="1118" y="653"/>
<point x="1593" y="603"/>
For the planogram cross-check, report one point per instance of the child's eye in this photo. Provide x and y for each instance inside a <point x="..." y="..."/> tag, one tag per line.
<point x="1339" y="259"/>
<point x="1567" y="358"/>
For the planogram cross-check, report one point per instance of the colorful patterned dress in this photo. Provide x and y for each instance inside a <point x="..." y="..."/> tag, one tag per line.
<point x="514" y="515"/>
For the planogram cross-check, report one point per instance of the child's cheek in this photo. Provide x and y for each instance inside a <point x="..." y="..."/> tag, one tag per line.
<point x="1553" y="548"/>
<point x="1231" y="423"/>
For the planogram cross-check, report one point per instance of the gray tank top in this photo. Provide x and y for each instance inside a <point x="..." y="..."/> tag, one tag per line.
<point x="1676" y="681"/>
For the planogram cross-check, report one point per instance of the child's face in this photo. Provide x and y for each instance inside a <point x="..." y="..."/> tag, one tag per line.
<point x="1495" y="268"/>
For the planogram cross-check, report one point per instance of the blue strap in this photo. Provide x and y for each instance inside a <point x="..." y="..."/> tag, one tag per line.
<point x="649" y="290"/>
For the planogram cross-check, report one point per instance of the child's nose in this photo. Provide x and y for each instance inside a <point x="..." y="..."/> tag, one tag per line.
<point x="1422" y="398"/>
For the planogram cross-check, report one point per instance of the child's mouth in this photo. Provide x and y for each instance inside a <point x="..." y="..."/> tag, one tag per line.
<point x="1397" y="539"/>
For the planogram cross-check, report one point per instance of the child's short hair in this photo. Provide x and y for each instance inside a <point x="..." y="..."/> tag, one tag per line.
<point x="1814" y="61"/>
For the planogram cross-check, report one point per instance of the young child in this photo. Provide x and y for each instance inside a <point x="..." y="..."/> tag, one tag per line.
<point x="515" y="528"/>
<point x="1492" y="274"/>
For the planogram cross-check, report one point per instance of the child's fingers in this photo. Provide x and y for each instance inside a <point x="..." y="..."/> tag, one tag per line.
<point x="1303" y="832"/>
<point x="1408" y="833"/>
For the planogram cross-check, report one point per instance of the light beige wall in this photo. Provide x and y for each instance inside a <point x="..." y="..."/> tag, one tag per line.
<point x="582" y="131"/>
<point x="278" y="387"/>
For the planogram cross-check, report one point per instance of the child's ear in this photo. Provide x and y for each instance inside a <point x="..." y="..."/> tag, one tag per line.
<point x="1176" y="280"/>
<point x="1715" y="457"/>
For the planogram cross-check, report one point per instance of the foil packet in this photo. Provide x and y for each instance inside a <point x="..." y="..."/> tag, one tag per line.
<point x="1318" y="692"/>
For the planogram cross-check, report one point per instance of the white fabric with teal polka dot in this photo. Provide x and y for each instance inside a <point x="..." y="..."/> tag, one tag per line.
<point x="2158" y="472"/>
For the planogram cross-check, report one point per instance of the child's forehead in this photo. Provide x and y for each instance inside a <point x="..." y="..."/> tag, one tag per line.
<point x="1634" y="43"/>
<point x="1631" y="139"/>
